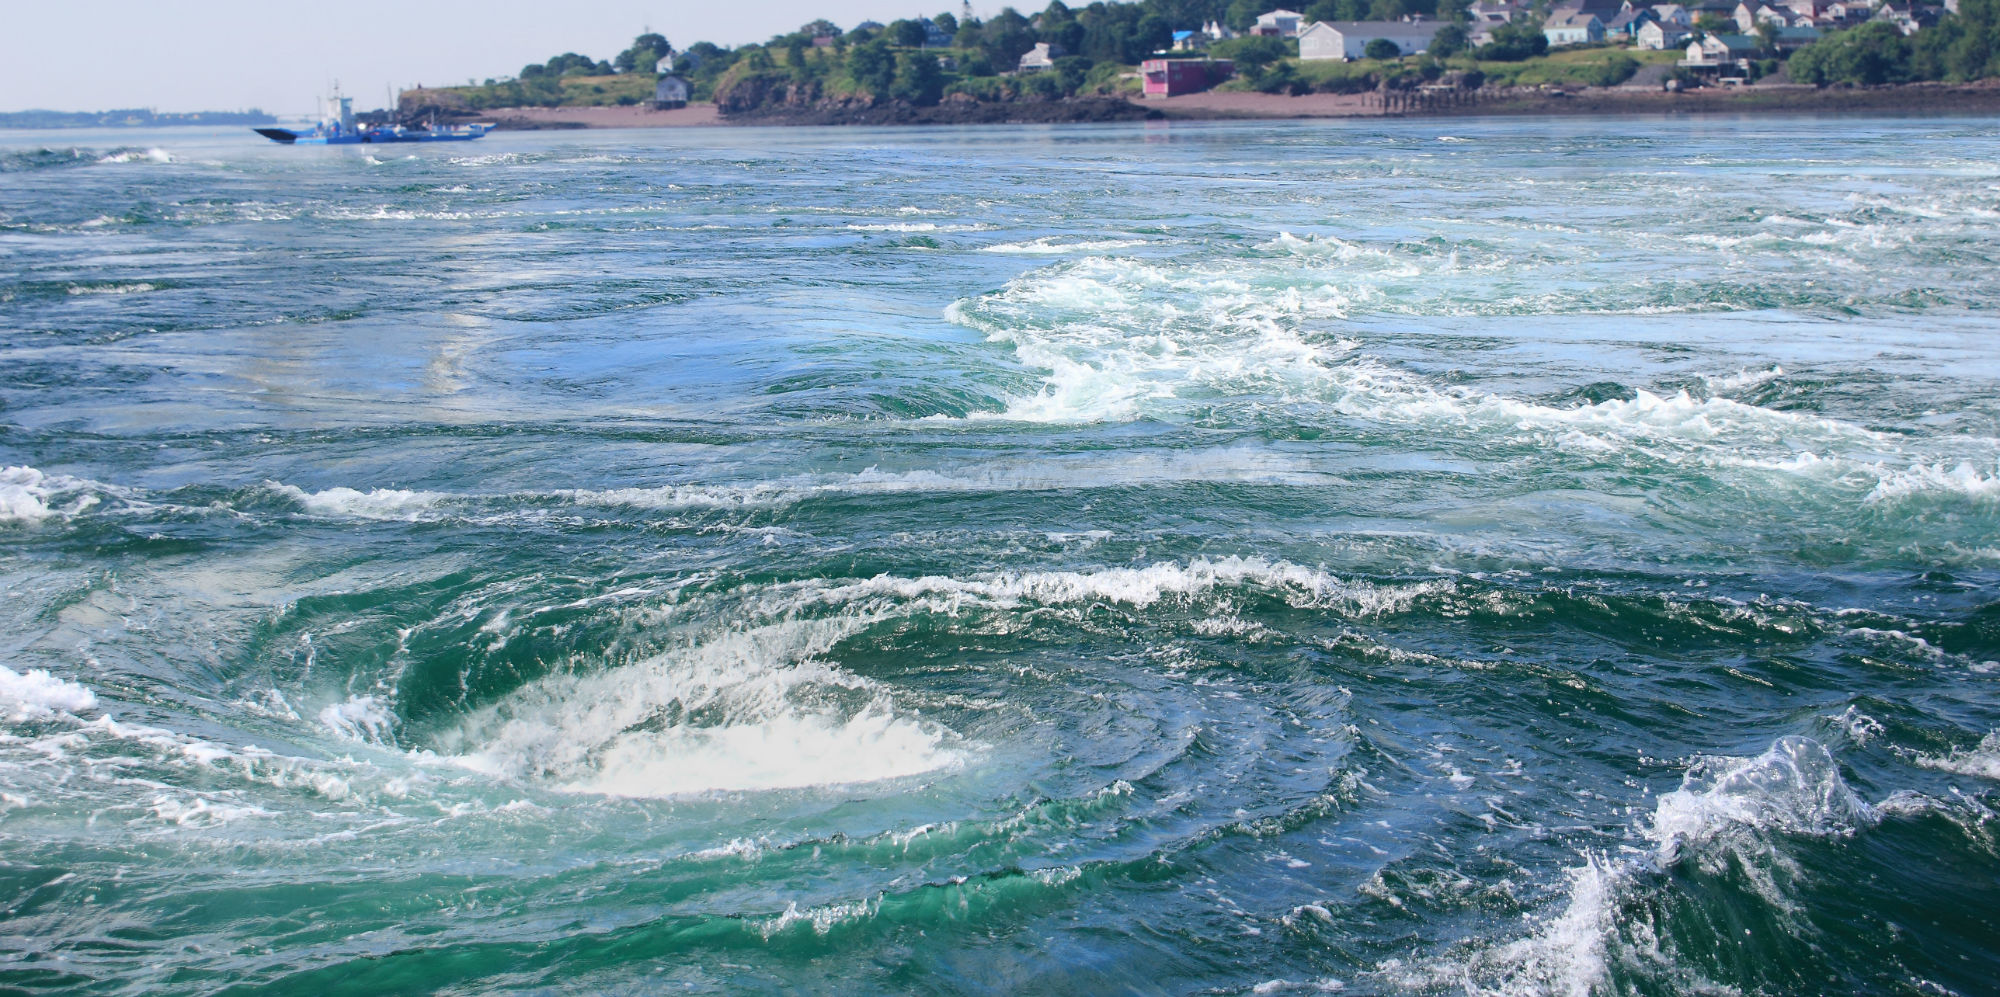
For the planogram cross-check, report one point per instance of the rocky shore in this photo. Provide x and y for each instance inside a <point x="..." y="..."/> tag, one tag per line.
<point x="1915" y="98"/>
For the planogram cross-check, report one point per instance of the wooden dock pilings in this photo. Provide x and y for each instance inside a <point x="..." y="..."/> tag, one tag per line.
<point x="1425" y="100"/>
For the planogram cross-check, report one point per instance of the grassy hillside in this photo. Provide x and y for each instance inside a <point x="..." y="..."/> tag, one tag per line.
<point x="565" y="91"/>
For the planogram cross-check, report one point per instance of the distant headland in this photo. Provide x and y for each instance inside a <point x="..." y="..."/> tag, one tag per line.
<point x="1253" y="58"/>
<point x="137" y="117"/>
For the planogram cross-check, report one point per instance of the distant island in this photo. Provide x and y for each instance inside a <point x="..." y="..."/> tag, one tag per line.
<point x="138" y="117"/>
<point x="1227" y="58"/>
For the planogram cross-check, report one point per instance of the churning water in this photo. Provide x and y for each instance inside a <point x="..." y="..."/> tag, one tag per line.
<point x="1440" y="556"/>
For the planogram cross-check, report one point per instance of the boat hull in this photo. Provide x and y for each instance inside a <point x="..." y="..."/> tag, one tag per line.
<point x="373" y="136"/>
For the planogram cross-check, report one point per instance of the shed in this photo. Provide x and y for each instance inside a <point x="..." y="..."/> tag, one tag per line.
<point x="1173" y="77"/>
<point x="670" y="92"/>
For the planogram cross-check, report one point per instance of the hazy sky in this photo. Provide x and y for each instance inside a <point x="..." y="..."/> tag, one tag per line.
<point x="211" y="55"/>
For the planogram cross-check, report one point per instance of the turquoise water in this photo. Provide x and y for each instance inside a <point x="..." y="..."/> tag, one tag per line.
<point x="1526" y="556"/>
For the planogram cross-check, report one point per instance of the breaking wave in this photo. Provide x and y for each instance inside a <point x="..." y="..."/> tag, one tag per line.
<point x="743" y="711"/>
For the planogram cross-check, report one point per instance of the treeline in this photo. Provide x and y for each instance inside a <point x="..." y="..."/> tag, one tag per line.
<point x="1960" y="47"/>
<point x="137" y="117"/>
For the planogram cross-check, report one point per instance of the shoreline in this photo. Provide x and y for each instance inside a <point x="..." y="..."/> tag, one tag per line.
<point x="1917" y="99"/>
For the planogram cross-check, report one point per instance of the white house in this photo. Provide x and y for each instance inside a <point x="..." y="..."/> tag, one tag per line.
<point x="1660" y="36"/>
<point x="1719" y="51"/>
<point x="1573" y="29"/>
<point x="1349" y="39"/>
<point x="1749" y="15"/>
<point x="1279" y="23"/>
<point x="1042" y="56"/>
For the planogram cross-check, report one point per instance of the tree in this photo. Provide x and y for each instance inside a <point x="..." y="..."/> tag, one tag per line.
<point x="1251" y="53"/>
<point x="918" y="79"/>
<point x="1515" y="41"/>
<point x="946" y="23"/>
<point x="1071" y="71"/>
<point x="646" y="52"/>
<point x="873" y="66"/>
<point x="1382" y="48"/>
<point x="1767" y="36"/>
<point x="1449" y="41"/>
<point x="821" y="28"/>
<point x="1871" y="54"/>
<point x="1005" y="37"/>
<point x="907" y="33"/>
<point x="1242" y="14"/>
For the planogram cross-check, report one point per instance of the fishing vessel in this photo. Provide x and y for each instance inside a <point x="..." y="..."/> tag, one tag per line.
<point x="337" y="127"/>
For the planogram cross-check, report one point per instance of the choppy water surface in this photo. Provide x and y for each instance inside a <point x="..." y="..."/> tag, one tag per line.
<point x="1524" y="557"/>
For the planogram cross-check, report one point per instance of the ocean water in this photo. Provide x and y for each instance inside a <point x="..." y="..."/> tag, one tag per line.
<point x="1450" y="556"/>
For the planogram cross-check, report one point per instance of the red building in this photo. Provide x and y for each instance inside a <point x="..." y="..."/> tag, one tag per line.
<point x="1172" y="77"/>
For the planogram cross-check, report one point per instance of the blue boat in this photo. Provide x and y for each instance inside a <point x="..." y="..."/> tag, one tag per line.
<point x="337" y="127"/>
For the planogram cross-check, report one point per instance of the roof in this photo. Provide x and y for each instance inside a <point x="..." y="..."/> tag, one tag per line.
<point x="1574" y="19"/>
<point x="1382" y="29"/>
<point x="1183" y="35"/>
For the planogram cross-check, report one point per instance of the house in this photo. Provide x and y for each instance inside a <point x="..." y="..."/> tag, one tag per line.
<point x="935" y="36"/>
<point x="1660" y="36"/>
<point x="1216" y="32"/>
<point x="1794" y="38"/>
<point x="1278" y="24"/>
<point x="1904" y="18"/>
<point x="1674" y="14"/>
<point x="1748" y="15"/>
<point x="1188" y="41"/>
<point x="1173" y="77"/>
<point x="670" y="92"/>
<point x="1727" y="55"/>
<point x="1625" y="27"/>
<point x="1578" y="28"/>
<point x="1349" y="39"/>
<point x="1042" y="56"/>
<point x="1491" y="12"/>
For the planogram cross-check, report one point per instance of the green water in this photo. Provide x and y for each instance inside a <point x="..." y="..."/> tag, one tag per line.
<point x="1440" y="557"/>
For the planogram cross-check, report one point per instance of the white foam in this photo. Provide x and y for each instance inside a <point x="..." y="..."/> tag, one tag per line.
<point x="912" y="227"/>
<point x="36" y="694"/>
<point x="1137" y="587"/>
<point x="1982" y="761"/>
<point x="201" y="811"/>
<point x="84" y="289"/>
<point x="1728" y="815"/>
<point x="742" y="711"/>
<point x="1794" y="787"/>
<point x="29" y="496"/>
<point x="1744" y="379"/>
<point x="1049" y="246"/>
<point x="154" y="155"/>
<point x="1961" y="480"/>
<point x="376" y="503"/>
<point x="360" y="718"/>
<point x="1120" y="339"/>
